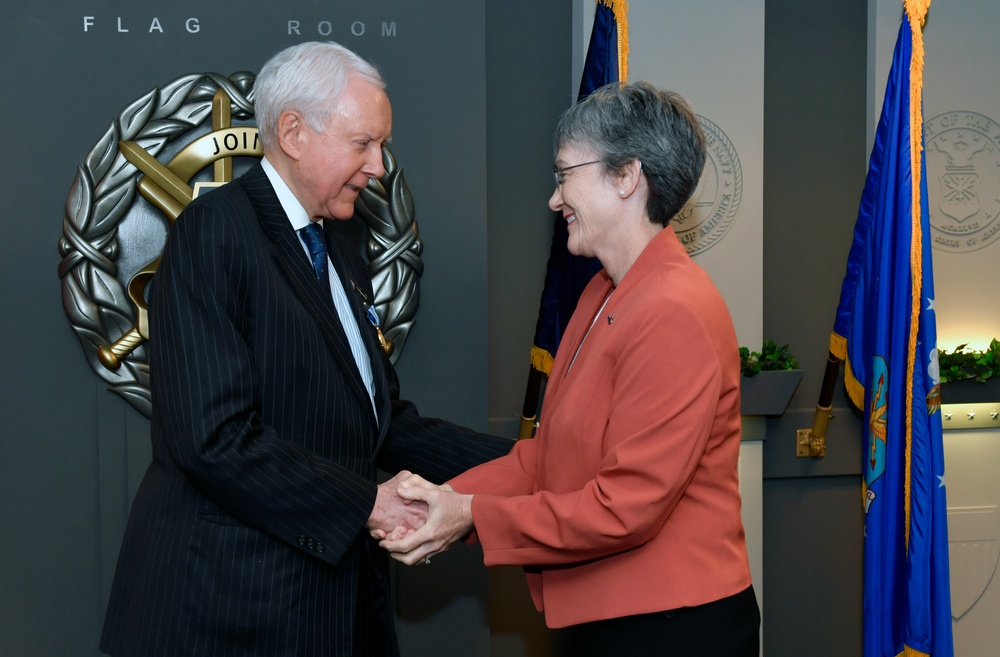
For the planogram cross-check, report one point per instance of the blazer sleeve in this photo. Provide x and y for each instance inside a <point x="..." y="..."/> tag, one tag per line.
<point x="511" y="475"/>
<point x="206" y="397"/>
<point x="657" y="432"/>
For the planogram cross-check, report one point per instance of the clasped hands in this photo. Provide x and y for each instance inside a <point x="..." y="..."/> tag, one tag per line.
<point x="415" y="520"/>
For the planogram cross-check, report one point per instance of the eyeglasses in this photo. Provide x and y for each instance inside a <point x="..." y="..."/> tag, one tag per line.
<point x="560" y="173"/>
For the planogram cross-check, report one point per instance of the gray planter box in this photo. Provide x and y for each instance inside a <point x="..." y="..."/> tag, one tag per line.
<point x="970" y="391"/>
<point x="768" y="393"/>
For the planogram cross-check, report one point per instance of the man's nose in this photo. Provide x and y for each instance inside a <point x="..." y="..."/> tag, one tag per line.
<point x="374" y="166"/>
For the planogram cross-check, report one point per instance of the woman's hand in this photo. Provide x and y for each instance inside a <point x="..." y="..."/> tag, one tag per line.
<point x="449" y="518"/>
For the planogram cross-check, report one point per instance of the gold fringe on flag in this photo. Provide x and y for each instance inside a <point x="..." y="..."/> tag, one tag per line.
<point x="541" y="360"/>
<point x="855" y="391"/>
<point x="916" y="13"/>
<point x="620" y="9"/>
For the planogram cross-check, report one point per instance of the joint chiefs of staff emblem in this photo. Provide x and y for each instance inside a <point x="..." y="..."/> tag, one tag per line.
<point x="710" y="212"/>
<point x="963" y="180"/>
<point x="169" y="145"/>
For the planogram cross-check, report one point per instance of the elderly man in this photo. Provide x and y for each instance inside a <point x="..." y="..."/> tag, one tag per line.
<point x="274" y="404"/>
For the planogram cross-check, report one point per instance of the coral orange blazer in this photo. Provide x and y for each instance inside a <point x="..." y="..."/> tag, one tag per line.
<point x="627" y="500"/>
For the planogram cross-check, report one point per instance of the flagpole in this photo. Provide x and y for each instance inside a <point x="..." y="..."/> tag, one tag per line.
<point x="566" y="274"/>
<point x="812" y="442"/>
<point x="529" y="410"/>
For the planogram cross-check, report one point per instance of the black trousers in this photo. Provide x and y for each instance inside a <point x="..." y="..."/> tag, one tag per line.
<point x="729" y="627"/>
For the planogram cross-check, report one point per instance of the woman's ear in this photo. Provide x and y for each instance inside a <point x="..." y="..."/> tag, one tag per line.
<point x="629" y="178"/>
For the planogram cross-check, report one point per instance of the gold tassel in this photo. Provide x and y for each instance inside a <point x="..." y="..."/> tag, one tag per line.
<point x="541" y="360"/>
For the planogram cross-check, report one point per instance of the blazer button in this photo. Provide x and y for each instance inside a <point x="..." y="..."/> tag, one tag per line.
<point x="311" y="543"/>
<point x="302" y="540"/>
<point x="320" y="547"/>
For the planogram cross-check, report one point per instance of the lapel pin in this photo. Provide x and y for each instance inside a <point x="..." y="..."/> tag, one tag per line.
<point x="373" y="319"/>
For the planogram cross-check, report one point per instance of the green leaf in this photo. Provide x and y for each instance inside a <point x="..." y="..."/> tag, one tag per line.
<point x="962" y="363"/>
<point x="771" y="357"/>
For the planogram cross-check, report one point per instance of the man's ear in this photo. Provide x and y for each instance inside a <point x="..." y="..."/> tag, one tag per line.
<point x="291" y="133"/>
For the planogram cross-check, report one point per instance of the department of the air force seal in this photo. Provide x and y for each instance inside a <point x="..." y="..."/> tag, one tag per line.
<point x="158" y="154"/>
<point x="963" y="180"/>
<point x="712" y="208"/>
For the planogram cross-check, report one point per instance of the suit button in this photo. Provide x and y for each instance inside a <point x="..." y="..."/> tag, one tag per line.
<point x="302" y="540"/>
<point x="320" y="547"/>
<point x="311" y="543"/>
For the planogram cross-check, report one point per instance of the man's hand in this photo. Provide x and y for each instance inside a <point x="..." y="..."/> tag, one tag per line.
<point x="449" y="518"/>
<point x="393" y="512"/>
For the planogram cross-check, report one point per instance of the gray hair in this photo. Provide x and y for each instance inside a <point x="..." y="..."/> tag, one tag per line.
<point x="308" y="78"/>
<point x="622" y="123"/>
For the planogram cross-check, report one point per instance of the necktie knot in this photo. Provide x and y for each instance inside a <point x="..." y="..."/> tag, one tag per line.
<point x="312" y="235"/>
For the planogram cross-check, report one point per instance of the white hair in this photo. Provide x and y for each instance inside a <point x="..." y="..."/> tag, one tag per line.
<point x="308" y="78"/>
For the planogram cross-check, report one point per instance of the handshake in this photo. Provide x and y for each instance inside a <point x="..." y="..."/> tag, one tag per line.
<point x="413" y="519"/>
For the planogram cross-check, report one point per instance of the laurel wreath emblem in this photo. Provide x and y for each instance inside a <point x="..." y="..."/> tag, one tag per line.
<point x="98" y="304"/>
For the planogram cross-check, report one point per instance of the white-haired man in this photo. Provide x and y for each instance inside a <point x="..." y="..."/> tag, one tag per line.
<point x="274" y="404"/>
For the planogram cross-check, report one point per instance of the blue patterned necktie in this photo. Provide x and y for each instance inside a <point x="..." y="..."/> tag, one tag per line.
<point x="312" y="235"/>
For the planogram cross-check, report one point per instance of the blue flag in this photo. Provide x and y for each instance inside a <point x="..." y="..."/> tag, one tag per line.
<point x="885" y="332"/>
<point x="566" y="275"/>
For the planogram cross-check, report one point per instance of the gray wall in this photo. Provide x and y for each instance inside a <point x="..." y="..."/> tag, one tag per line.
<point x="527" y="90"/>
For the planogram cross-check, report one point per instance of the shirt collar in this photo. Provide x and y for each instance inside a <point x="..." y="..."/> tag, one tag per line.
<point x="293" y="209"/>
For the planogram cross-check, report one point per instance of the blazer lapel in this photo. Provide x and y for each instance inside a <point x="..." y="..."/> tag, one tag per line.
<point x="573" y="337"/>
<point x="665" y="247"/>
<point x="298" y="270"/>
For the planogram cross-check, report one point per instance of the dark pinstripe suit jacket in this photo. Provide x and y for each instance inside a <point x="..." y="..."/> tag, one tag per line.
<point x="247" y="536"/>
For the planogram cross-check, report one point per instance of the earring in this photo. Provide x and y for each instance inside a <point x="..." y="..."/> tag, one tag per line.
<point x="621" y="192"/>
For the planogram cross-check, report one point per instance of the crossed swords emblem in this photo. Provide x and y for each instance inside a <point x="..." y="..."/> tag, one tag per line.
<point x="166" y="186"/>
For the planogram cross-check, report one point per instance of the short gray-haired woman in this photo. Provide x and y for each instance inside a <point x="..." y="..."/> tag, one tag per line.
<point x="624" y="509"/>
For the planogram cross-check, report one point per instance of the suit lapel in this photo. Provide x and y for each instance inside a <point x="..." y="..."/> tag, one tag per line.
<point x="298" y="270"/>
<point x="359" y="293"/>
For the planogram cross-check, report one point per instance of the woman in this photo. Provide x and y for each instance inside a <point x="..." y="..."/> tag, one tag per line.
<point x="624" y="509"/>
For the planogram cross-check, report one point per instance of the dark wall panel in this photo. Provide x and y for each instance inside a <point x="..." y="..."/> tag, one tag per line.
<point x="815" y="161"/>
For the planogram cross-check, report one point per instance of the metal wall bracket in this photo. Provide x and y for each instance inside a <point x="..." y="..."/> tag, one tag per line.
<point x="809" y="445"/>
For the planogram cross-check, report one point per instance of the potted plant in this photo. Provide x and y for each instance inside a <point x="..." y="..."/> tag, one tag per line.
<point x="770" y="377"/>
<point x="968" y="375"/>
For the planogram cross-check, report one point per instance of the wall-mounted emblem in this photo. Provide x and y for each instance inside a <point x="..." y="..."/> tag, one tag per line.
<point x="169" y="145"/>
<point x="963" y="180"/>
<point x="710" y="212"/>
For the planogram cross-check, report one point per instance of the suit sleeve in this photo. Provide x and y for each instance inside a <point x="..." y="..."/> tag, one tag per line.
<point x="207" y="396"/>
<point x="436" y="449"/>
<point x="433" y="448"/>
<point x="657" y="431"/>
